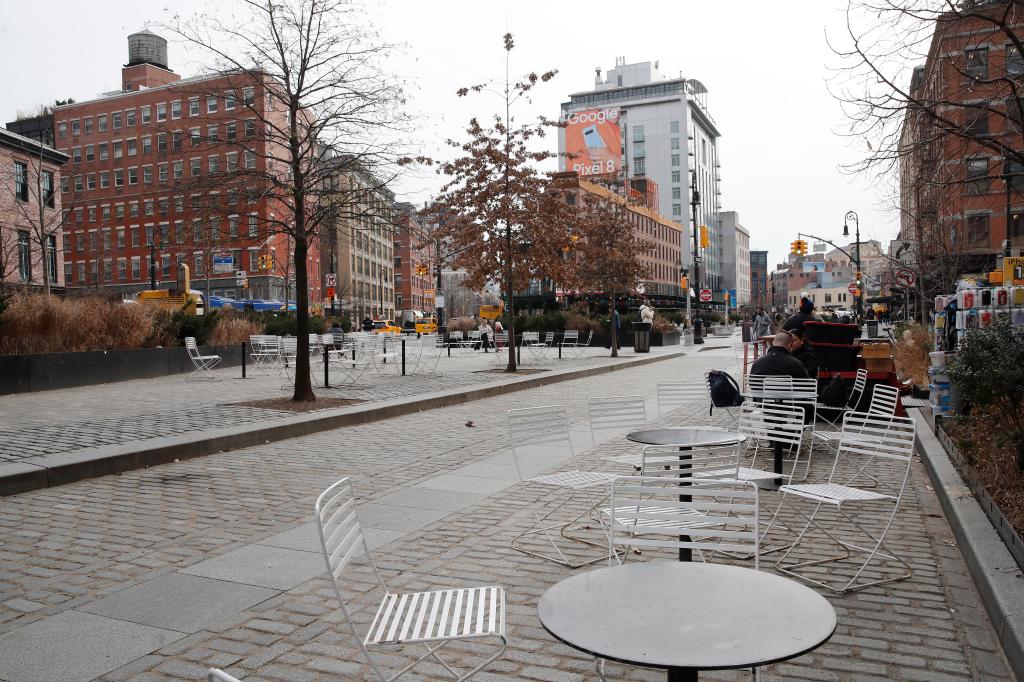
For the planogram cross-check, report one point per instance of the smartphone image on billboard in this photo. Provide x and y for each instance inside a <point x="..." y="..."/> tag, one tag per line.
<point x="592" y="138"/>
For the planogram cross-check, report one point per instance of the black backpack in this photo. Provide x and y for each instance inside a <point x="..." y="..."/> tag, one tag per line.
<point x="723" y="389"/>
<point x="834" y="395"/>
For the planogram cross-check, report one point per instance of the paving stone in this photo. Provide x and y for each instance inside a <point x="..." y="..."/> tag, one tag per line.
<point x="272" y="567"/>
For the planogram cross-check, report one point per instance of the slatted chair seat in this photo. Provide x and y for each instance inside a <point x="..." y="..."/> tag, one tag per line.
<point x="653" y="517"/>
<point x="439" y="615"/>
<point x="577" y="480"/>
<point x="833" y="493"/>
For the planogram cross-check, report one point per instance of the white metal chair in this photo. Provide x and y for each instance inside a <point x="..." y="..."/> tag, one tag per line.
<point x="215" y="675"/>
<point x="432" y="619"/>
<point x="289" y="351"/>
<point x="570" y="340"/>
<point x="881" y="447"/>
<point x="202" y="365"/>
<point x="615" y="415"/>
<point x="264" y="351"/>
<point x="859" y="384"/>
<point x="675" y="394"/>
<point x="540" y="433"/>
<point x="884" y="400"/>
<point x="351" y="360"/>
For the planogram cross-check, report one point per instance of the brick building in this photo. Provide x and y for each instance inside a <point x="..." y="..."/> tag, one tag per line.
<point x="961" y="193"/>
<point x="415" y="269"/>
<point x="759" y="292"/>
<point x="156" y="173"/>
<point x="29" y="177"/>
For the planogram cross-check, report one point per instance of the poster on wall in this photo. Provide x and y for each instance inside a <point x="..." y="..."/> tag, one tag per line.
<point x="593" y="142"/>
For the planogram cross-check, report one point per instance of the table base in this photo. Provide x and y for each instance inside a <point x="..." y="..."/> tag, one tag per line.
<point x="682" y="675"/>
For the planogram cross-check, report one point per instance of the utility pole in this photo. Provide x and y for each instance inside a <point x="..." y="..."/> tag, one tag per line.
<point x="852" y="215"/>
<point x="698" y="323"/>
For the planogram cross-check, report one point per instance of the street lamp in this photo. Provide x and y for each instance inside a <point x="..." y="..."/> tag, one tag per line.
<point x="852" y="215"/>
<point x="698" y="323"/>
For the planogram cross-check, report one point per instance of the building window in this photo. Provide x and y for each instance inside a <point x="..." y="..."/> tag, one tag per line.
<point x="118" y="149"/>
<point x="147" y="144"/>
<point x="231" y="162"/>
<point x="176" y="109"/>
<point x="677" y="210"/>
<point x="21" y="181"/>
<point x="977" y="175"/>
<point x="675" y="143"/>
<point x="254" y="228"/>
<point x="250" y="160"/>
<point x="233" y="226"/>
<point x="129" y="118"/>
<point x="115" y="120"/>
<point x="24" y="256"/>
<point x="211" y="104"/>
<point x="229" y="100"/>
<point x="133" y="209"/>
<point x="147" y="174"/>
<point x="161" y="113"/>
<point x="976" y="63"/>
<point x="677" y="193"/>
<point x="193" y="106"/>
<point x="179" y="169"/>
<point x="49" y="195"/>
<point x="104" y="150"/>
<point x="90" y="152"/>
<point x="194" y="137"/>
<point x="76" y="155"/>
<point x="249" y="96"/>
<point x="165" y="265"/>
<point x="977" y="230"/>
<point x="120" y="237"/>
<point x="164" y="205"/>
<point x="78" y="183"/>
<point x="639" y="166"/>
<point x="149" y="207"/>
<point x="132" y="146"/>
<point x="675" y="159"/>
<point x="75" y="128"/>
<point x="104" y="179"/>
<point x="68" y="273"/>
<point x="214" y="163"/>
<point x="81" y="272"/>
<point x="162" y="172"/>
<point x="673" y="127"/>
<point x="161" y="142"/>
<point x="194" y="164"/>
<point x="977" y="122"/>
<point x="136" y="267"/>
<point x="62" y="130"/>
<point x="101" y="123"/>
<point x="250" y="127"/>
<point x="675" y="176"/>
<point x="144" y="114"/>
<point x="176" y="139"/>
<point x="65" y="184"/>
<point x="118" y="177"/>
<point x="211" y="133"/>
<point x="231" y="130"/>
<point x="1015" y="170"/>
<point x="638" y="133"/>
<point x="90" y="181"/>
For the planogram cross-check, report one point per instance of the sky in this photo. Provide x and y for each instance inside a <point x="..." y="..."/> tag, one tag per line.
<point x="782" y="148"/>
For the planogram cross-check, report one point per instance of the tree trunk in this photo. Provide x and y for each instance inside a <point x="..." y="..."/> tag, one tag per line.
<point x="303" y="383"/>
<point x="511" y="367"/>
<point x="615" y="332"/>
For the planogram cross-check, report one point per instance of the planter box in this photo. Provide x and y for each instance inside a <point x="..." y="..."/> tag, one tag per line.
<point x="1008" y="533"/>
<point x="48" y="371"/>
<point x="665" y="338"/>
<point x="604" y="339"/>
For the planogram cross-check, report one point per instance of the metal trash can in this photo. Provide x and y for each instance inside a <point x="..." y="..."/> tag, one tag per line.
<point x="872" y="328"/>
<point x="747" y="330"/>
<point x="642" y="337"/>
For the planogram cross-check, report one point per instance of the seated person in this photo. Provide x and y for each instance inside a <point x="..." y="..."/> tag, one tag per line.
<point x="802" y="350"/>
<point x="778" y="361"/>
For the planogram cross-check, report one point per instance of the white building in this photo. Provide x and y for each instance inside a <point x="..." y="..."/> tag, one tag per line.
<point x="638" y="124"/>
<point x="735" y="246"/>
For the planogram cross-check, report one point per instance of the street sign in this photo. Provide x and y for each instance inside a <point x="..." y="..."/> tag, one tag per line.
<point x="705" y="295"/>
<point x="902" y="251"/>
<point x="241" y="279"/>
<point x="439" y="301"/>
<point x="819" y="247"/>
<point x="852" y="288"/>
<point x="332" y="279"/>
<point x="223" y="263"/>
<point x="904" y="278"/>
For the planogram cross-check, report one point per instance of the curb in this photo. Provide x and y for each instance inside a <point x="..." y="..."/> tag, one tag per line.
<point x="33" y="473"/>
<point x="996" y="574"/>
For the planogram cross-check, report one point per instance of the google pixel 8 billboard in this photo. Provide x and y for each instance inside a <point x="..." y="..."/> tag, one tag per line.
<point x="593" y="142"/>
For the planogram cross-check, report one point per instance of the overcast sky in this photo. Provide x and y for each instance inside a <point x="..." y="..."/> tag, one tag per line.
<point x="766" y="77"/>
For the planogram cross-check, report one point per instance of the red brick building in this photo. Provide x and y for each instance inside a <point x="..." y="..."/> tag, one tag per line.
<point x="961" y="194"/>
<point x="29" y="178"/>
<point x="415" y="269"/>
<point x="156" y="173"/>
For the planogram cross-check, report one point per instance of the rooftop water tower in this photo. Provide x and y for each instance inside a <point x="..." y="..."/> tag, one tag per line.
<point x="146" y="47"/>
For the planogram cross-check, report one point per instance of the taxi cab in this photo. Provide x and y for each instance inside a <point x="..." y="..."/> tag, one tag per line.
<point x="427" y="325"/>
<point x="386" y="327"/>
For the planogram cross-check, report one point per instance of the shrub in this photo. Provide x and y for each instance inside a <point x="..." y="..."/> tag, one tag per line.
<point x="662" y="324"/>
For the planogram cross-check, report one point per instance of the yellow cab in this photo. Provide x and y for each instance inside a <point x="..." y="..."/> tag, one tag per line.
<point x="426" y="325"/>
<point x="385" y="327"/>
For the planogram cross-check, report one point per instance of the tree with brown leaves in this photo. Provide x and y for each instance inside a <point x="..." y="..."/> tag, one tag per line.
<point x="505" y="222"/>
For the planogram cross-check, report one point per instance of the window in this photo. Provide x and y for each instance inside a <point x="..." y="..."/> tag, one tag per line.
<point x="21" y="181"/>
<point x="133" y="209"/>
<point x="194" y="137"/>
<point x="231" y="130"/>
<point x="977" y="230"/>
<point x="62" y="130"/>
<point x="165" y="206"/>
<point x="977" y="122"/>
<point x="638" y="133"/>
<point x="149" y="235"/>
<point x="179" y="204"/>
<point x="120" y="237"/>
<point x="232" y="196"/>
<point x="639" y="166"/>
<point x="250" y="160"/>
<point x="253" y="225"/>
<point x="76" y="155"/>
<point x="129" y="118"/>
<point x="148" y="207"/>
<point x="231" y="162"/>
<point x="161" y="113"/>
<point x="675" y="159"/>
<point x="249" y="96"/>
<point x="104" y="150"/>
<point x="676" y="193"/>
<point x="176" y="139"/>
<point x="118" y="177"/>
<point x="165" y="265"/>
<point x="147" y="145"/>
<point x="229" y="100"/>
<point x="87" y="125"/>
<point x="90" y="181"/>
<point x="976" y="63"/>
<point x="131" y="146"/>
<point x="101" y="123"/>
<point x="24" y="256"/>
<point x="211" y="133"/>
<point x="673" y="127"/>
<point x="675" y="143"/>
<point x="105" y="212"/>
<point x="119" y="210"/>
<point x="176" y="109"/>
<point x="104" y="179"/>
<point x="75" y="128"/>
<point x="65" y="184"/>
<point x="197" y="261"/>
<point x="179" y="231"/>
<point x="134" y="231"/>
<point x="115" y="120"/>
<point x="233" y="226"/>
<point x="78" y="183"/>
<point x="165" y="233"/>
<point x="977" y="175"/>
<point x="639" y="150"/>
<point x="162" y="172"/>
<point x="136" y="267"/>
<point x="1016" y="172"/>
<point x="214" y="163"/>
<point x="144" y="114"/>
<point x="675" y="176"/>
<point x="118" y="149"/>
<point x="68" y="272"/>
<point x="250" y="127"/>
<point x="179" y="169"/>
<point x="122" y="268"/>
<point x="677" y="210"/>
<point x="92" y="240"/>
<point x="90" y="153"/>
<point x="161" y="142"/>
<point x="194" y="165"/>
<point x="196" y="201"/>
<point x="193" y="106"/>
<point x="147" y="174"/>
<point x="211" y="104"/>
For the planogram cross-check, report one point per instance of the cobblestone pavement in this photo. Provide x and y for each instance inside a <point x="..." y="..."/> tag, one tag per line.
<point x="70" y="419"/>
<point x="161" y="573"/>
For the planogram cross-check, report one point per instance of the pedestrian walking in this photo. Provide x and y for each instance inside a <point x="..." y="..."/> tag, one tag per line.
<point x="762" y="324"/>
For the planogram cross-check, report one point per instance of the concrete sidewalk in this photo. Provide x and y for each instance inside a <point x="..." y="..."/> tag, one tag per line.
<point x="161" y="573"/>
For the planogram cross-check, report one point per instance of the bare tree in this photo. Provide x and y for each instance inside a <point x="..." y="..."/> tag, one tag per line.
<point x="319" y="92"/>
<point x="504" y="220"/>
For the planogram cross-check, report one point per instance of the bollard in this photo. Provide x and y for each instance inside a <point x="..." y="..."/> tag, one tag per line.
<point x="403" y="357"/>
<point x="243" y="359"/>
<point x="327" y="377"/>
<point x="560" y="347"/>
<point x="519" y="350"/>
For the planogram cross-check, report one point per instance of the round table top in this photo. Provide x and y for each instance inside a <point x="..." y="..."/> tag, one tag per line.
<point x="686" y="436"/>
<point x="779" y="395"/>
<point x="670" y="614"/>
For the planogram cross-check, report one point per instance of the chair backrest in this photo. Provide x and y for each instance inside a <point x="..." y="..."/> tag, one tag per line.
<point x="531" y="337"/>
<point x="669" y="460"/>
<point x="289" y="345"/>
<point x="474" y="335"/>
<point x="884" y="400"/>
<point x="808" y="386"/>
<point x="859" y="384"/>
<point x="191" y="347"/>
<point x="870" y="442"/>
<point x="341" y="541"/>
<point x="616" y="414"/>
<point x="714" y="515"/>
<point x="673" y="394"/>
<point x="570" y="336"/>
<point x="550" y="338"/>
<point x="327" y="340"/>
<point x="770" y="422"/>
<point x="769" y="382"/>
<point x="454" y="336"/>
<point x="501" y="337"/>
<point x="586" y="339"/>
<point x="540" y="431"/>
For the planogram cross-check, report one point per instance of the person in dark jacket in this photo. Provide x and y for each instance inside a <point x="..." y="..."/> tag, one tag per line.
<point x="778" y="361"/>
<point x="806" y="314"/>
<point x="367" y="324"/>
<point x="804" y="352"/>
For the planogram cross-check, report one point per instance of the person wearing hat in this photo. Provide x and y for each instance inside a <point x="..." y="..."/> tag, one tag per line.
<point x="806" y="314"/>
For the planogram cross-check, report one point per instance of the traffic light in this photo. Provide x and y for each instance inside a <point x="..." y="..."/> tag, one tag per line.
<point x="705" y="242"/>
<point x="263" y="262"/>
<point x="684" y="282"/>
<point x="798" y="247"/>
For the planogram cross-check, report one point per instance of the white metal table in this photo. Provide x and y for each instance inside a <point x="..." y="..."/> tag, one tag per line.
<point x="686" y="617"/>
